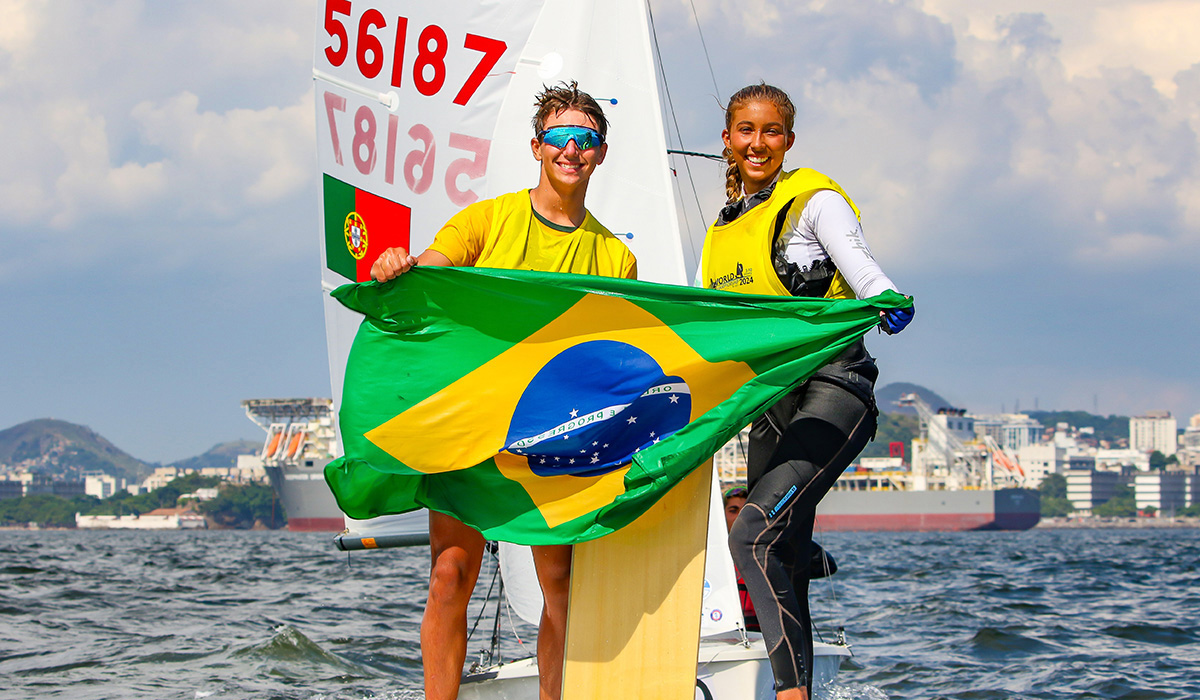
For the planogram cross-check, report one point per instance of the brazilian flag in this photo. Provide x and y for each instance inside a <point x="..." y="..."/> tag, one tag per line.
<point x="549" y="408"/>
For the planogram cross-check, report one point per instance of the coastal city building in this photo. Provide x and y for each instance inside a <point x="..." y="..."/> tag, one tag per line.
<point x="102" y="485"/>
<point x="45" y="484"/>
<point x="1119" y="459"/>
<point x="730" y="461"/>
<point x="1189" y="447"/>
<point x="159" y="519"/>
<point x="1155" y="431"/>
<point x="11" y="488"/>
<point x="1090" y="488"/>
<point x="1165" y="492"/>
<point x="1039" y="461"/>
<point x="1011" y="431"/>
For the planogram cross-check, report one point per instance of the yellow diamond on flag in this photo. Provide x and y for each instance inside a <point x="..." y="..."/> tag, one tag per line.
<point x="564" y="411"/>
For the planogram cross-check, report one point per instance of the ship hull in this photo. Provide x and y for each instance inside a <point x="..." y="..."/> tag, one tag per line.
<point x="306" y="498"/>
<point x="929" y="511"/>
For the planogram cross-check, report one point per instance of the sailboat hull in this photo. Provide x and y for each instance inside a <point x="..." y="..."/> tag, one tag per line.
<point x="726" y="670"/>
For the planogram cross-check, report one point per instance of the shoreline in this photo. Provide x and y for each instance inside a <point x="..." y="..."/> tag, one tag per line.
<point x="1112" y="523"/>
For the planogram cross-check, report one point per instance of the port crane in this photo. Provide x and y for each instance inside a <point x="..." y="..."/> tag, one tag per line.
<point x="967" y="465"/>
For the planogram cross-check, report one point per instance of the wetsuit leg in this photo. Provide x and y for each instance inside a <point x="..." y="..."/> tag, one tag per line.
<point x="771" y="538"/>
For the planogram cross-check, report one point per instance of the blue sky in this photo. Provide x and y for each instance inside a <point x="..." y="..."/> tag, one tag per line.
<point x="1029" y="171"/>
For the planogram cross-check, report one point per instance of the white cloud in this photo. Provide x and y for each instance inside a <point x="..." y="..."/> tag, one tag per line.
<point x="234" y="159"/>
<point x="137" y="118"/>
<point x="1029" y="168"/>
<point x="16" y="32"/>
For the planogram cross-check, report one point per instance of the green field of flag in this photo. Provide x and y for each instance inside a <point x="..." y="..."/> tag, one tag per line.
<point x="545" y="408"/>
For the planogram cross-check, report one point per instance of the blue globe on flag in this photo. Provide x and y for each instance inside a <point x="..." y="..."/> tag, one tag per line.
<point x="592" y="407"/>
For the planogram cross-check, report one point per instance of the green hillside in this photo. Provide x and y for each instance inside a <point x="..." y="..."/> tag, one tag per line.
<point x="222" y="455"/>
<point x="57" y="447"/>
<point x="888" y="397"/>
<point x="1111" y="428"/>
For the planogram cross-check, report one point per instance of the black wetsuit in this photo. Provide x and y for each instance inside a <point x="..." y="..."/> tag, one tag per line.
<point x="798" y="449"/>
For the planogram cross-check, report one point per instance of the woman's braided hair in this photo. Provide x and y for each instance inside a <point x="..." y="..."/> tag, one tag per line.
<point x="741" y="98"/>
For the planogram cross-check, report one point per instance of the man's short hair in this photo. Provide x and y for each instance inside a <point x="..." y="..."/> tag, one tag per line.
<point x="564" y="96"/>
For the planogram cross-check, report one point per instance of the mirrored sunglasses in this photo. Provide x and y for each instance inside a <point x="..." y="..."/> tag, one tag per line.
<point x="559" y="136"/>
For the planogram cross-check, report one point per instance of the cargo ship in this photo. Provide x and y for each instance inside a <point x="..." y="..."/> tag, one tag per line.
<point x="956" y="481"/>
<point x="959" y="479"/>
<point x="299" y="443"/>
<point x="923" y="511"/>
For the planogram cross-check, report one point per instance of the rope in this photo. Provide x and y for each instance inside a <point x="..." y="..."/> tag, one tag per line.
<point x="704" y="45"/>
<point x="710" y="156"/>
<point x="678" y="134"/>
<point x="486" y="598"/>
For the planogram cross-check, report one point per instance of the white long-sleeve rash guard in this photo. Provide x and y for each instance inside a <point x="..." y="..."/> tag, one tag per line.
<point x="828" y="229"/>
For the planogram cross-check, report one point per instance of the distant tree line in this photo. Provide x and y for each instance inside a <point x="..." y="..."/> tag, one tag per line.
<point x="1110" y="428"/>
<point x="236" y="506"/>
<point x="893" y="427"/>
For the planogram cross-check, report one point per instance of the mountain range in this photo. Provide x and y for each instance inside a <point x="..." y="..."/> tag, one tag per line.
<point x="65" y="449"/>
<point x="56" y="447"/>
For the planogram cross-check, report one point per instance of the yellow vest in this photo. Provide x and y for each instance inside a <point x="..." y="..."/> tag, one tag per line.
<point x="505" y="233"/>
<point x="737" y="256"/>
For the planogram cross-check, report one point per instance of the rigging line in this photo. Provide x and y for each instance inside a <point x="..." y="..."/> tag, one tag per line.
<point x="704" y="45"/>
<point x="508" y="611"/>
<point x="710" y="156"/>
<point x="687" y="219"/>
<point x="486" y="598"/>
<point x="678" y="134"/>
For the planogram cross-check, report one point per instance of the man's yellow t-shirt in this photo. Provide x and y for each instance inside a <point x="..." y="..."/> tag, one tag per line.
<point x="507" y="233"/>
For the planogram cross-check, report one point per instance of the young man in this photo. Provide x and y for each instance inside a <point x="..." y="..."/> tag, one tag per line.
<point x="547" y="229"/>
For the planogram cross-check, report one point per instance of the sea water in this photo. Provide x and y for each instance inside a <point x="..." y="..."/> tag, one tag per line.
<point x="240" y="615"/>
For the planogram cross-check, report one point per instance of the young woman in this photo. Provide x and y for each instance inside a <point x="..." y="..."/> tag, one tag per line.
<point x="795" y="233"/>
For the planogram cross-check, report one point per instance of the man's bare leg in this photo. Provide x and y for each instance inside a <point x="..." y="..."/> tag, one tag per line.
<point x="553" y="564"/>
<point x="457" y="554"/>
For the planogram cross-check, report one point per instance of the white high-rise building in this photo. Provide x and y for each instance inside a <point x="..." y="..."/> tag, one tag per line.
<point x="1166" y="492"/>
<point x="1040" y="460"/>
<point x="1011" y="430"/>
<point x="1154" y="431"/>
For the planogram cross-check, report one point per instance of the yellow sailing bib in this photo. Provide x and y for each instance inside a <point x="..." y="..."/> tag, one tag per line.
<point x="737" y="256"/>
<point x="506" y="233"/>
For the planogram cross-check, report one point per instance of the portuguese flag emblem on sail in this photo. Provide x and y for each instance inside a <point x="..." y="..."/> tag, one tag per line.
<point x="358" y="227"/>
<point x="544" y="408"/>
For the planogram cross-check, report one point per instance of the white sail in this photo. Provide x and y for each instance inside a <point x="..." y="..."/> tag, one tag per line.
<point x="429" y="105"/>
<point x="410" y="107"/>
<point x="605" y="46"/>
<point x="407" y="99"/>
<point x="721" y="610"/>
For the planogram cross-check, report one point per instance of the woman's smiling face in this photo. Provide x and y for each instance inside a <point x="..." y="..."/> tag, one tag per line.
<point x="758" y="137"/>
